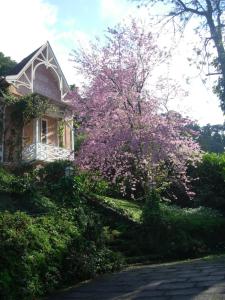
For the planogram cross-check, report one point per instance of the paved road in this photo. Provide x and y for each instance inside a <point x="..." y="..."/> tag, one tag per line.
<point x="197" y="279"/>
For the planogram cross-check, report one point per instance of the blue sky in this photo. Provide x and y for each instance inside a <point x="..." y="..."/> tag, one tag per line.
<point x="85" y="14"/>
<point x="65" y="22"/>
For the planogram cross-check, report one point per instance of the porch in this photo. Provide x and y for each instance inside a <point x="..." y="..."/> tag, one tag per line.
<point x="45" y="152"/>
<point x="43" y="142"/>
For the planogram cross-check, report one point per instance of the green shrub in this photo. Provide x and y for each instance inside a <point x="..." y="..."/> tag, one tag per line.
<point x="180" y="233"/>
<point x="129" y="209"/>
<point x="52" y="172"/>
<point x="53" y="182"/>
<point x="69" y="190"/>
<point x="66" y="192"/>
<point x="92" y="183"/>
<point x="22" y="193"/>
<point x="151" y="210"/>
<point x="209" y="181"/>
<point x="6" y="180"/>
<point x="31" y="250"/>
<point x="39" y="254"/>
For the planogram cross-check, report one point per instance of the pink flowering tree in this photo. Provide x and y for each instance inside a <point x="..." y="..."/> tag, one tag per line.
<point x="129" y="139"/>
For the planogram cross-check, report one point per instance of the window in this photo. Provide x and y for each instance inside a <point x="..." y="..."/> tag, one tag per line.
<point x="44" y="131"/>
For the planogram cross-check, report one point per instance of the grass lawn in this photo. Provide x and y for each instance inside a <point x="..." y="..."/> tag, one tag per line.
<point x="133" y="210"/>
<point x="128" y="208"/>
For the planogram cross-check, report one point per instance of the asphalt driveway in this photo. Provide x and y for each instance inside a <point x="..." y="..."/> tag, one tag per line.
<point x="197" y="279"/>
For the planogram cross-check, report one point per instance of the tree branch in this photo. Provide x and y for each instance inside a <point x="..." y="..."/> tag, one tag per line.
<point x="189" y="9"/>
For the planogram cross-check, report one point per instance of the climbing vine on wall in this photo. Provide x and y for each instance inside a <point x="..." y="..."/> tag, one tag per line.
<point x="27" y="108"/>
<point x="22" y="110"/>
<point x="61" y="127"/>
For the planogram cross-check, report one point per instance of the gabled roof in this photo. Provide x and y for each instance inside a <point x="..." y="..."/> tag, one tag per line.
<point x="44" y="55"/>
<point x="15" y="70"/>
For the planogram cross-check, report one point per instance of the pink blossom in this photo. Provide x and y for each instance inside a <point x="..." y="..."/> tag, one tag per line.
<point x="128" y="140"/>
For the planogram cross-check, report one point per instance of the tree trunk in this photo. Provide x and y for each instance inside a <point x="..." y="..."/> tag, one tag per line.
<point x="218" y="41"/>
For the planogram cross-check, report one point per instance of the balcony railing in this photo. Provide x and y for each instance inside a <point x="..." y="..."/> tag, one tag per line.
<point x="45" y="152"/>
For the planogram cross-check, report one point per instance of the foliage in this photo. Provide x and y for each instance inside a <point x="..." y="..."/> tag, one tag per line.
<point x="27" y="108"/>
<point x="211" y="137"/>
<point x="92" y="183"/>
<point x="47" y="187"/>
<point x="52" y="172"/>
<point x="130" y="209"/>
<point x="126" y="135"/>
<point x="209" y="181"/>
<point x="164" y="231"/>
<point x="210" y="19"/>
<point x="55" y="184"/>
<point x="36" y="253"/>
<point x="61" y="128"/>
<point x="22" y="111"/>
<point x="175" y="232"/>
<point x="151" y="210"/>
<point x="6" y="64"/>
<point x="79" y="139"/>
<point x="69" y="243"/>
<point x="6" y="180"/>
<point x="19" y="192"/>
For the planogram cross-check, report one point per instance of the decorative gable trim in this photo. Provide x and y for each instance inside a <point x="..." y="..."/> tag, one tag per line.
<point x="42" y="56"/>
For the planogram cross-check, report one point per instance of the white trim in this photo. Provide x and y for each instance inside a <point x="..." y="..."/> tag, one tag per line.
<point x="29" y="81"/>
<point x="47" y="61"/>
<point x="44" y="152"/>
<point x="24" y="84"/>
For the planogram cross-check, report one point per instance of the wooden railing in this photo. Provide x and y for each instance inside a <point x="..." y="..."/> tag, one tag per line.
<point x="45" y="152"/>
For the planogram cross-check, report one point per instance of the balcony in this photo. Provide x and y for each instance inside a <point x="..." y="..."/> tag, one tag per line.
<point x="46" y="153"/>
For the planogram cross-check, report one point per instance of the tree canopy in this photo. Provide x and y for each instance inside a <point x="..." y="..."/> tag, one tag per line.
<point x="6" y="64"/>
<point x="128" y="139"/>
<point x="210" y="14"/>
<point x="212" y="138"/>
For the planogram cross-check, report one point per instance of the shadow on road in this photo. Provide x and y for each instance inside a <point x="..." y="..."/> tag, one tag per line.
<point x="193" y="280"/>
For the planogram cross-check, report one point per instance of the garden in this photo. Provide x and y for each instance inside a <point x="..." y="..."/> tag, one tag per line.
<point x="146" y="184"/>
<point x="57" y="230"/>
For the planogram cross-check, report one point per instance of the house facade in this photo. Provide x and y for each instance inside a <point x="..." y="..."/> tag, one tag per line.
<point x="44" y="139"/>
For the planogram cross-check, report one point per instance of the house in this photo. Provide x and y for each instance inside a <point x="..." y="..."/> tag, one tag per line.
<point x="40" y="140"/>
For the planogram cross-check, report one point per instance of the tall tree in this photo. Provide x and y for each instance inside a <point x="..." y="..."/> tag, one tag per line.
<point x="210" y="14"/>
<point x="128" y="140"/>
<point x="6" y="64"/>
<point x="211" y="138"/>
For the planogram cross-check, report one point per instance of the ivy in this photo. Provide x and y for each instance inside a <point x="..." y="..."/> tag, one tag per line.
<point x="22" y="111"/>
<point x="28" y="107"/>
<point x="61" y="126"/>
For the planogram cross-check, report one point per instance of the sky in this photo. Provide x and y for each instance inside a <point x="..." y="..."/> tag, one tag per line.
<point x="27" y="24"/>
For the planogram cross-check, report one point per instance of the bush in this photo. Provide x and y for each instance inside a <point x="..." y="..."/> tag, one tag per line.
<point x="6" y="180"/>
<point x="22" y="193"/>
<point x="92" y="183"/>
<point x="53" y="182"/>
<point x="209" y="181"/>
<point x="40" y="190"/>
<point x="180" y="233"/>
<point x="69" y="190"/>
<point x="151" y="210"/>
<point x="52" y="172"/>
<point x="39" y="254"/>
